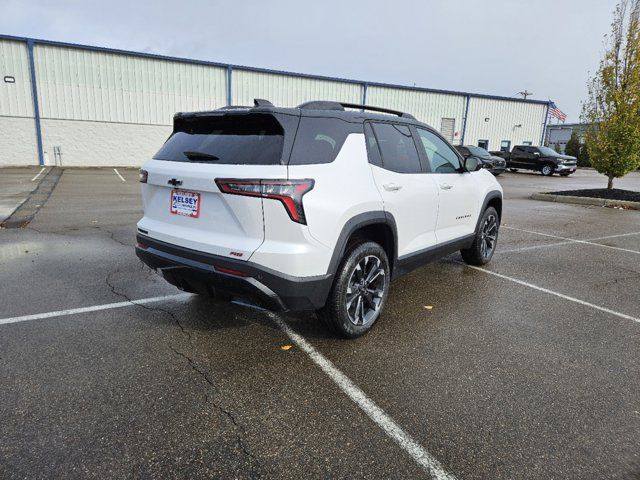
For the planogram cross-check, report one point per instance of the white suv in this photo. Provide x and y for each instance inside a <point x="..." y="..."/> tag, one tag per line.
<point x="315" y="207"/>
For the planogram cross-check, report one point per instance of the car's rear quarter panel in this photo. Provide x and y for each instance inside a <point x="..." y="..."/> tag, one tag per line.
<point x="343" y="189"/>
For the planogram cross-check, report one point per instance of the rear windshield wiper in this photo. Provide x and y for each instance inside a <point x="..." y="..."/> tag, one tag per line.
<point x="192" y="155"/>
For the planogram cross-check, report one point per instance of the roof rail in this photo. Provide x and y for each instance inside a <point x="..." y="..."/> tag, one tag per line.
<point x="321" y="105"/>
<point x="327" y="105"/>
<point x="378" y="109"/>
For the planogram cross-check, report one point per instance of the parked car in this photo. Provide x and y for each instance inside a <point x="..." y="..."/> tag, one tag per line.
<point x="541" y="159"/>
<point x="316" y="207"/>
<point x="493" y="163"/>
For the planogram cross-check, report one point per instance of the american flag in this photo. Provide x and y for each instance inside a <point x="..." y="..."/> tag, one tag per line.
<point x="554" y="111"/>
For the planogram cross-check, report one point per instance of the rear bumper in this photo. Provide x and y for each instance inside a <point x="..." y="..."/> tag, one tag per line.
<point x="196" y="271"/>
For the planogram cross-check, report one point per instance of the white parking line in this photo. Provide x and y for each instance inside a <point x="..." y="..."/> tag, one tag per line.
<point x="557" y="294"/>
<point x="533" y="247"/>
<point x="39" y="173"/>
<point x="118" y="173"/>
<point x="384" y="421"/>
<point x="95" y="308"/>
<point x="573" y="240"/>
<point x="373" y="411"/>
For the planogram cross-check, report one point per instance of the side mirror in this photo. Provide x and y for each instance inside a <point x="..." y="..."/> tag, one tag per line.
<point x="472" y="164"/>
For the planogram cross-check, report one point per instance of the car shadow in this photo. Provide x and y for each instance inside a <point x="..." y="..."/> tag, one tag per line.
<point x="204" y="313"/>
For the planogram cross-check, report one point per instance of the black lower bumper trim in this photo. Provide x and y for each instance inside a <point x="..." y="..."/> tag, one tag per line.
<point x="195" y="271"/>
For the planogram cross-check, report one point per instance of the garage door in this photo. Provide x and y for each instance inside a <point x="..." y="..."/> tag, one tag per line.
<point x="447" y="128"/>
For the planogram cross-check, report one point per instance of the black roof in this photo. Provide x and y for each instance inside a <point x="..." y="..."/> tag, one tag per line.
<point x="349" y="112"/>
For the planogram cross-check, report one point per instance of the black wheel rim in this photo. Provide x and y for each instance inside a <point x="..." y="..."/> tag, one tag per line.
<point x="365" y="291"/>
<point x="488" y="236"/>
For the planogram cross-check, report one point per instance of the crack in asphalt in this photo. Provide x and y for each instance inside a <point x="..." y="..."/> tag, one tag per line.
<point x="175" y="319"/>
<point x="65" y="233"/>
<point x="240" y="431"/>
<point x="112" y="237"/>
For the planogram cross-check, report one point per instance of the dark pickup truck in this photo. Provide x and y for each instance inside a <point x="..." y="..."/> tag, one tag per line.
<point x="541" y="159"/>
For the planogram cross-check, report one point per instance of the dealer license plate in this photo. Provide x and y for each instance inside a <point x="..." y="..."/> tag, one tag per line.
<point x="185" y="203"/>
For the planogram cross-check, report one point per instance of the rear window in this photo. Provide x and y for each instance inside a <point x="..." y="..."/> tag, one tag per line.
<point x="319" y="140"/>
<point x="253" y="139"/>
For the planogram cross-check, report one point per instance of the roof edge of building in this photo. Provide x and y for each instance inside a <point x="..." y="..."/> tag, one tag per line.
<point x="266" y="70"/>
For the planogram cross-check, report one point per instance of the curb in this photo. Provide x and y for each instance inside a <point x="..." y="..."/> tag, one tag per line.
<point x="598" y="202"/>
<point x="25" y="212"/>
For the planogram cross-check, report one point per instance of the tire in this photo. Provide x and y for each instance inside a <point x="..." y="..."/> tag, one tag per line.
<point x="351" y="313"/>
<point x="484" y="244"/>
<point x="513" y="170"/>
<point x="547" y="170"/>
<point x="496" y="174"/>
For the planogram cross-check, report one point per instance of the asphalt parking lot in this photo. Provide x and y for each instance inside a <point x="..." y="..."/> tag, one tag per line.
<point x="16" y="185"/>
<point x="528" y="368"/>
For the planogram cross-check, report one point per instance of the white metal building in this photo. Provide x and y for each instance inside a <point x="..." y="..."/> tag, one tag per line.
<point x="81" y="106"/>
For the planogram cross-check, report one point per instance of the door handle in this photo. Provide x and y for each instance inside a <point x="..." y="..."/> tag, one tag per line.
<point x="391" y="187"/>
<point x="446" y="186"/>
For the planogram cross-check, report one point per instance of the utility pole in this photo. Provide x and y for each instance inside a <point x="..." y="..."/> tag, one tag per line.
<point x="525" y="93"/>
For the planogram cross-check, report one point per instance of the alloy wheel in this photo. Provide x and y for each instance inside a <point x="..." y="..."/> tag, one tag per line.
<point x="488" y="236"/>
<point x="365" y="290"/>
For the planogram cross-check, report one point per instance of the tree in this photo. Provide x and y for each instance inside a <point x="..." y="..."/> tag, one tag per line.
<point x="583" y="156"/>
<point x="612" y="109"/>
<point x="573" y="145"/>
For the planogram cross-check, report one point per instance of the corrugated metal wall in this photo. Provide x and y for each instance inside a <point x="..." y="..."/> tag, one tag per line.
<point x="427" y="107"/>
<point x="289" y="91"/>
<point x="77" y="84"/>
<point x="15" y="98"/>
<point x="105" y="107"/>
<point x="502" y="120"/>
<point x="17" y="127"/>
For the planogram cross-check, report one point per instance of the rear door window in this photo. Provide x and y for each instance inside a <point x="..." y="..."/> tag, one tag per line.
<point x="320" y="139"/>
<point x="399" y="153"/>
<point x="252" y="139"/>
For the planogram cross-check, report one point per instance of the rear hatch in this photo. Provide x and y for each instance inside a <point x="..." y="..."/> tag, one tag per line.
<point x="182" y="202"/>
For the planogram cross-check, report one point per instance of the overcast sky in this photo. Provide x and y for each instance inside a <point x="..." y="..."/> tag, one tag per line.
<point x="493" y="46"/>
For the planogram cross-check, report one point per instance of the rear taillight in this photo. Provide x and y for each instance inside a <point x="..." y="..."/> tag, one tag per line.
<point x="143" y="176"/>
<point x="289" y="192"/>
